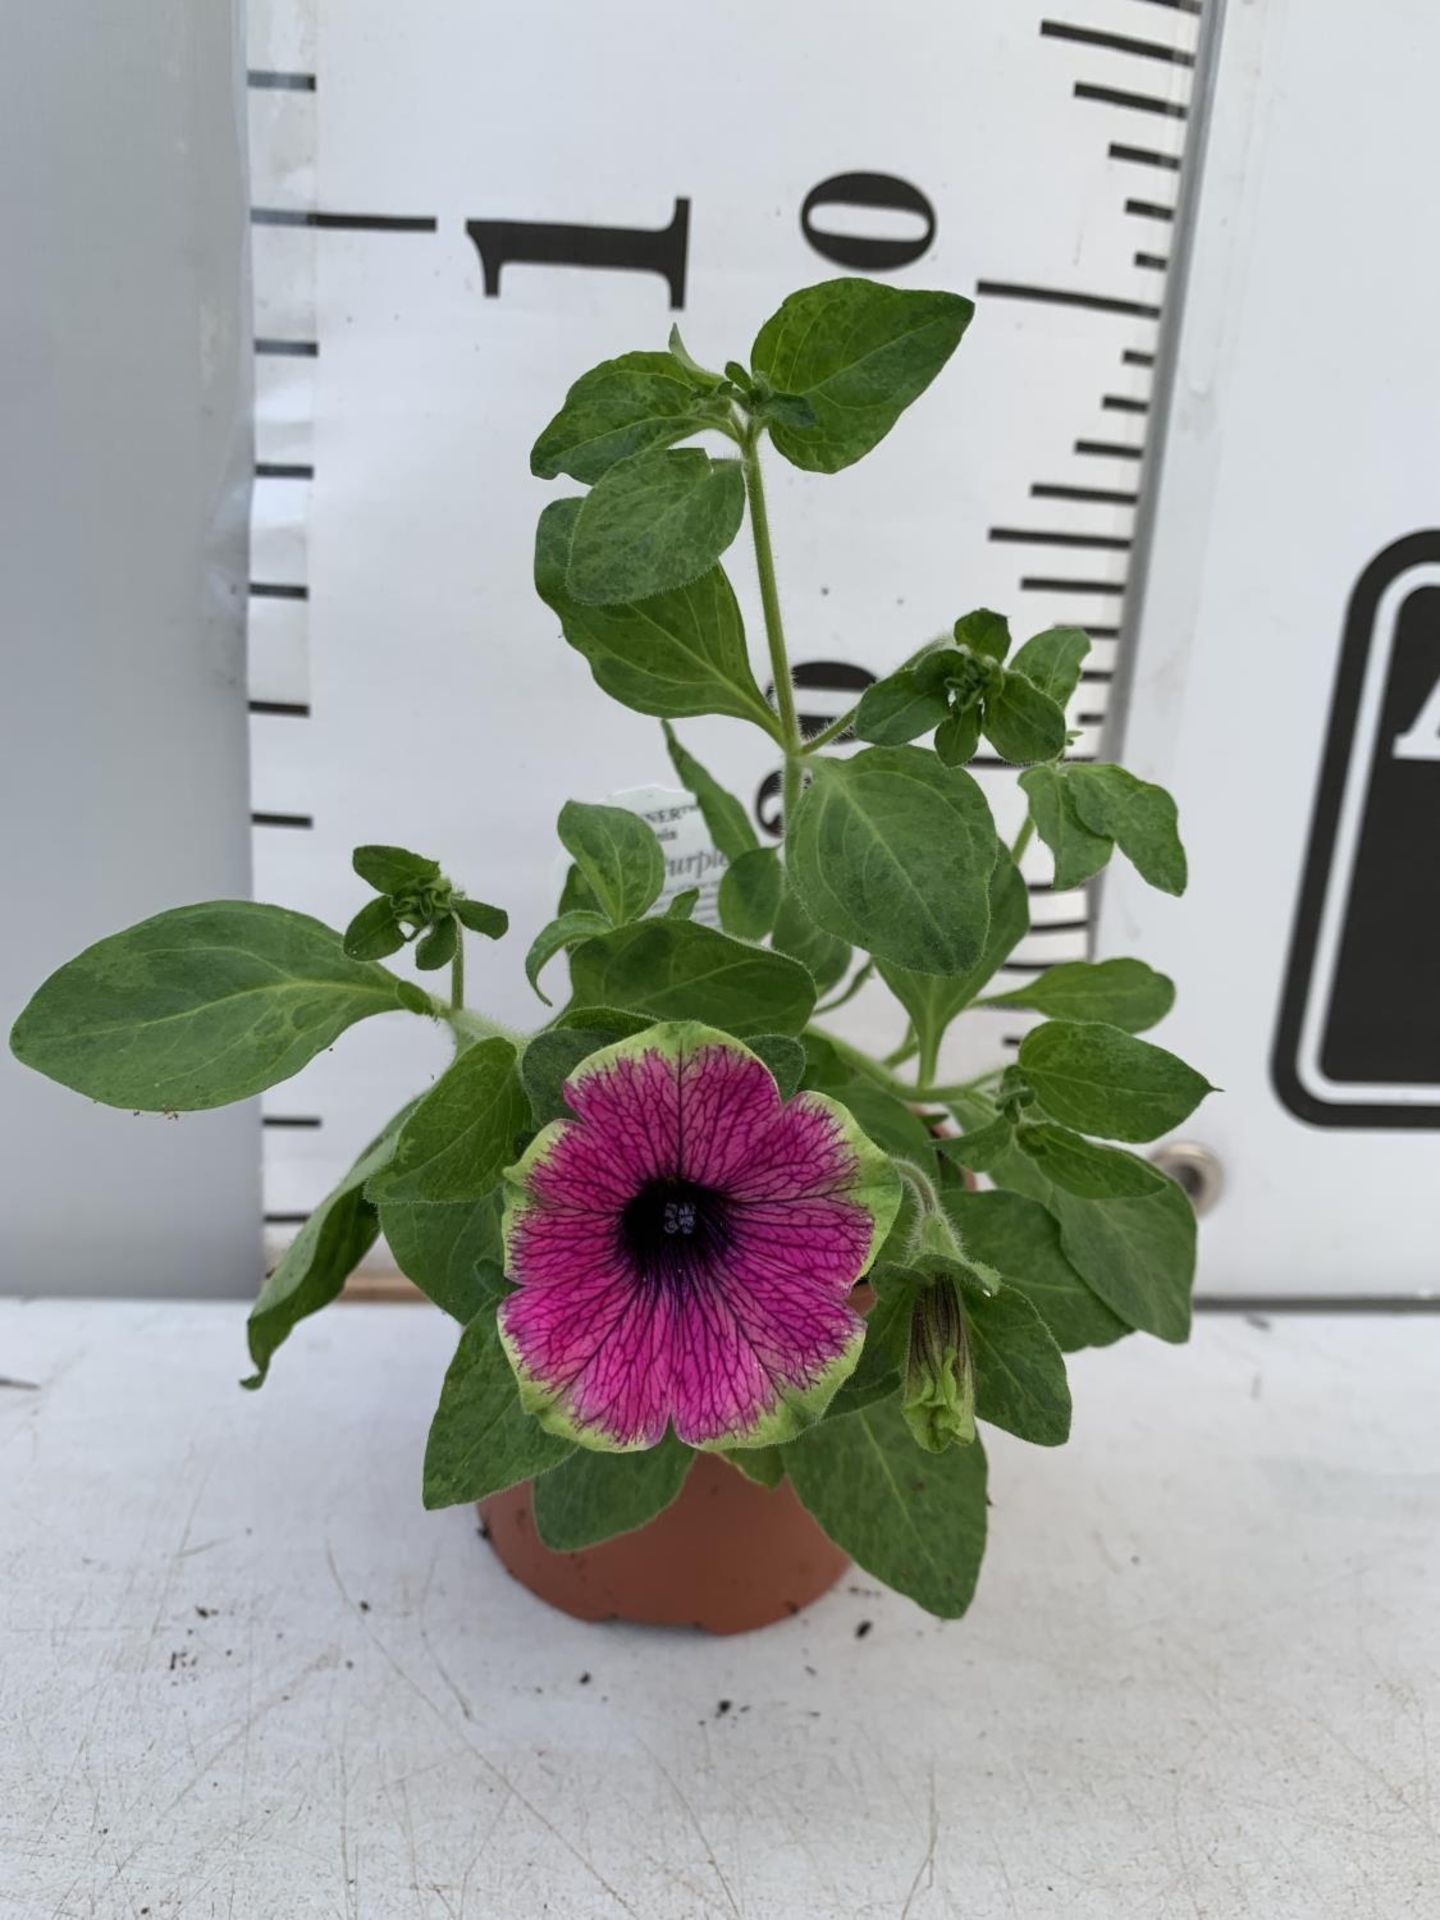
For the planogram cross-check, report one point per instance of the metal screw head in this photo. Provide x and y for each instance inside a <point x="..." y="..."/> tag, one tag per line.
<point x="1193" y="1168"/>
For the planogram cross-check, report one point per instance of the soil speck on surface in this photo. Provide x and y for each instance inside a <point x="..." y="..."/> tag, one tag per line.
<point x="584" y="1679"/>
<point x="722" y="1707"/>
<point x="863" y="1628"/>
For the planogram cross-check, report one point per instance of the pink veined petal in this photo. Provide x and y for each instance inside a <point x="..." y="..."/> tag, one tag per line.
<point x="598" y="1348"/>
<point x="729" y="1107"/>
<point x="550" y="1246"/>
<point x="631" y="1109"/>
<point x="804" y="1153"/>
<point x="582" y="1169"/>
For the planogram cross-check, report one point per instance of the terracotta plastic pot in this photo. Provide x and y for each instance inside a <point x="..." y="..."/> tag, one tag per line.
<point x="727" y="1556"/>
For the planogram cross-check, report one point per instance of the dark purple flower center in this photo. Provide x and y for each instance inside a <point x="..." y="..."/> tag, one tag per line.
<point x="674" y="1230"/>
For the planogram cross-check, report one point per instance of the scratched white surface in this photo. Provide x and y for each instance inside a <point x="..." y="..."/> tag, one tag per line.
<point x="243" y="1674"/>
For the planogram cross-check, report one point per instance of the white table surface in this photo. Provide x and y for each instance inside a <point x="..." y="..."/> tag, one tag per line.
<point x="243" y="1673"/>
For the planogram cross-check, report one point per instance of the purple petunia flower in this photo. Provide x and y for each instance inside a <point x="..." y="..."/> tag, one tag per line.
<point x="683" y="1251"/>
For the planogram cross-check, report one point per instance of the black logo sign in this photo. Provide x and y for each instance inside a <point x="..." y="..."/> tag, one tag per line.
<point x="1358" y="1043"/>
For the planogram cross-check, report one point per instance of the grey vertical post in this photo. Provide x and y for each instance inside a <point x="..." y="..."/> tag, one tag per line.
<point x="124" y="493"/>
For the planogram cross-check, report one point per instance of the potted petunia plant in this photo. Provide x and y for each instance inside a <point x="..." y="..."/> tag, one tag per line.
<point x="712" y="1263"/>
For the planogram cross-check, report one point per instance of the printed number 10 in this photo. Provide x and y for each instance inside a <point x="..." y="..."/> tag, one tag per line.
<point x="665" y="250"/>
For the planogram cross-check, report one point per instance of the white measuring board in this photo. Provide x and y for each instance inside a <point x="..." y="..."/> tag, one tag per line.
<point x="455" y="217"/>
<point x="1286" y="665"/>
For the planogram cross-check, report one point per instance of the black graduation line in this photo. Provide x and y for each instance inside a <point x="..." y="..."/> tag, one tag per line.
<point x="1155" y="262"/>
<point x="1177" y="6"/>
<point x="285" y="1219"/>
<point x="302" y="820"/>
<point x="290" y="1120"/>
<point x="291" y="349"/>
<point x="1043" y="583"/>
<point x="1149" y="210"/>
<point x="1066" y="297"/>
<point x="344" y="222"/>
<point x="1045" y="490"/>
<point x="1115" y="42"/>
<point x="281" y="709"/>
<point x="1102" y="633"/>
<point x="1023" y="536"/>
<point x="1133" y="357"/>
<point x="265" y="78"/>
<point x="1133" y="102"/>
<point x="1109" y="450"/>
<point x="1144" y="156"/>
<point x="282" y="470"/>
<point x="278" y="590"/>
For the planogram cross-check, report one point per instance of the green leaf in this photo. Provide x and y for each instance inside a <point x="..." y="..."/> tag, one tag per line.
<point x="567" y="930"/>
<point x="979" y="1147"/>
<point x="594" y="1495"/>
<point x="1138" y="817"/>
<point x="201" y="1006"/>
<point x="548" y="1061"/>
<point x="725" y="818"/>
<point x="462" y="1134"/>
<point x="1052" y="661"/>
<point x="481" y="1439"/>
<point x="1021" y="722"/>
<point x="678" y="970"/>
<point x="893" y="851"/>
<point x="1125" y="993"/>
<point x="653" y="523"/>
<point x="859" y="352"/>
<point x="933" y="1000"/>
<point x="1100" y="1080"/>
<point x="374" y="932"/>
<point x="449" y="1248"/>
<point x="1020" y="1239"/>
<point x="1020" y="1382"/>
<point x="1127" y="1229"/>
<point x="784" y="1057"/>
<point x="764" y="1465"/>
<point x="393" y="869"/>
<point x="677" y="653"/>
<point x="439" y="946"/>
<point x="683" y="904"/>
<point x="984" y="632"/>
<point x="1078" y="852"/>
<point x="623" y="406"/>
<point x="493" y="922"/>
<point x="824" y="957"/>
<point x="958" y="735"/>
<point x="750" y="891"/>
<point x="619" y="856"/>
<point x="898" y="708"/>
<point x="324" y="1253"/>
<point x="576" y="895"/>
<point x="914" y="1520"/>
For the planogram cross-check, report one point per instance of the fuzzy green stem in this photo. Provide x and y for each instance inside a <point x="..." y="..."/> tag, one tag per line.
<point x="457" y="973"/>
<point x="1022" y="839"/>
<point x="770" y="603"/>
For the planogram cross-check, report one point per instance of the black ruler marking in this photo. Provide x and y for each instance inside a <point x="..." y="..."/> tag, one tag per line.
<point x="1153" y="262"/>
<point x="1120" y="403"/>
<point x="1109" y="450"/>
<point x="1132" y="102"/>
<point x="301" y="820"/>
<point x="269" y="79"/>
<point x="309" y="1120"/>
<point x="1149" y="210"/>
<point x="1034" y="537"/>
<point x="1116" y="42"/>
<point x="1103" y="496"/>
<point x="1044" y="583"/>
<point x="281" y="709"/>
<point x="1068" y="297"/>
<point x="1145" y="157"/>
<point x="344" y="222"/>
<point x="290" y="349"/>
<point x="283" y="470"/>
<point x="1133" y="357"/>
<point x="278" y="590"/>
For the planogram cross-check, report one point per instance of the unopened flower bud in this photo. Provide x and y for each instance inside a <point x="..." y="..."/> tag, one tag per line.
<point x="939" y="1397"/>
